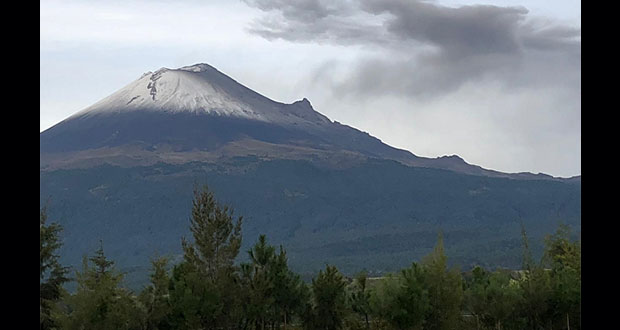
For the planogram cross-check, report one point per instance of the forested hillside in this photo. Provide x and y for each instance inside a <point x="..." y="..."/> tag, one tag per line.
<point x="209" y="289"/>
<point x="377" y="216"/>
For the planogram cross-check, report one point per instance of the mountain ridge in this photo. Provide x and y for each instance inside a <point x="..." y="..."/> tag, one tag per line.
<point x="122" y="170"/>
<point x="199" y="110"/>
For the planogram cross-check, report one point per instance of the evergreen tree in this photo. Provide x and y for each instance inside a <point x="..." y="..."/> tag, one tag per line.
<point x="561" y="251"/>
<point x="289" y="289"/>
<point x="195" y="302"/>
<point x="492" y="298"/>
<point x="535" y="288"/>
<point x="402" y="300"/>
<point x="360" y="297"/>
<point x="272" y="293"/>
<point x="329" y="301"/>
<point x="475" y="298"/>
<point x="445" y="291"/>
<point x="100" y="302"/>
<point x="208" y="276"/>
<point x="155" y="297"/>
<point x="258" y="275"/>
<point x="52" y="274"/>
<point x="564" y="257"/>
<point x="217" y="237"/>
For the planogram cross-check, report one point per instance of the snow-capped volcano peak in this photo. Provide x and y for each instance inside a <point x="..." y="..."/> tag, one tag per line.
<point x="202" y="89"/>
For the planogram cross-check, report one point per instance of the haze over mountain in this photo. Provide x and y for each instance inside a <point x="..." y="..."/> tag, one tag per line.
<point x="123" y="171"/>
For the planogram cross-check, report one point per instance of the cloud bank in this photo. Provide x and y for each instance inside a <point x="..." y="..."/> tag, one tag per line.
<point x="496" y="85"/>
<point x="422" y="48"/>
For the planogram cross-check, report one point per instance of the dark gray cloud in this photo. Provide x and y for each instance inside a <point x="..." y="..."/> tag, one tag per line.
<point x="458" y="32"/>
<point x="314" y="21"/>
<point x="465" y="30"/>
<point x="303" y="11"/>
<point x="425" y="48"/>
<point x="547" y="36"/>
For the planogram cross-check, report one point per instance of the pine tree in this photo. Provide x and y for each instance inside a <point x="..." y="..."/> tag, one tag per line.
<point x="102" y="266"/>
<point x="52" y="274"/>
<point x="445" y="291"/>
<point x="360" y="297"/>
<point x="329" y="300"/>
<point x="563" y="256"/>
<point x="100" y="302"/>
<point x="195" y="301"/>
<point x="492" y="299"/>
<point x="402" y="299"/>
<point x="155" y="297"/>
<point x="475" y="299"/>
<point x="208" y="277"/>
<point x="217" y="238"/>
<point x="260" y="283"/>
<point x="272" y="293"/>
<point x="535" y="289"/>
<point x="288" y="289"/>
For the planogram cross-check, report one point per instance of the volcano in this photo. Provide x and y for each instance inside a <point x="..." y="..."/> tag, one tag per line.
<point x="197" y="113"/>
<point x="122" y="171"/>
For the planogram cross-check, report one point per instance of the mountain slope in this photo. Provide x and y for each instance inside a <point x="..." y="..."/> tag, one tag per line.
<point x="123" y="170"/>
<point x="201" y="89"/>
<point x="198" y="113"/>
<point x="379" y="215"/>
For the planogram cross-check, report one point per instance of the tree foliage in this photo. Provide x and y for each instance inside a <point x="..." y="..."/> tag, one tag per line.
<point x="492" y="298"/>
<point x="100" y="301"/>
<point x="217" y="237"/>
<point x="359" y="297"/>
<point x="155" y="298"/>
<point x="563" y="256"/>
<point x="206" y="283"/>
<point x="272" y="292"/>
<point x="328" y="305"/>
<point x="52" y="274"/>
<point x="445" y="290"/>
<point x="209" y="290"/>
<point x="402" y="300"/>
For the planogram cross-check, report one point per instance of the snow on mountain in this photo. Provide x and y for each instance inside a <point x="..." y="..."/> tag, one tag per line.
<point x="200" y="88"/>
<point x="197" y="108"/>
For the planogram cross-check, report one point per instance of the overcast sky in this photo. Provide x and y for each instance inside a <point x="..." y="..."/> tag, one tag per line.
<point x="495" y="82"/>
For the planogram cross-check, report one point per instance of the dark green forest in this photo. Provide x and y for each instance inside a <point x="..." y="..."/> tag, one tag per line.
<point x="210" y="289"/>
<point x="377" y="216"/>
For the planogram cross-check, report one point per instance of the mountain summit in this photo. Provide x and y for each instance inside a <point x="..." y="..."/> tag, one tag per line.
<point x="202" y="89"/>
<point x="197" y="113"/>
<point x="121" y="171"/>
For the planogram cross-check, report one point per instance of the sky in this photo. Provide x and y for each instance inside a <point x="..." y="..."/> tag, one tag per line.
<point x="496" y="82"/>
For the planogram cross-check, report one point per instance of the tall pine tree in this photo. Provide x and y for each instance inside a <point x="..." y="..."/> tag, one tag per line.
<point x="207" y="283"/>
<point x="563" y="256"/>
<point x="155" y="297"/>
<point x="217" y="236"/>
<point x="100" y="301"/>
<point x="329" y="301"/>
<point x="402" y="299"/>
<point x="445" y="291"/>
<point x="359" y="297"/>
<point x="535" y="285"/>
<point x="52" y="274"/>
